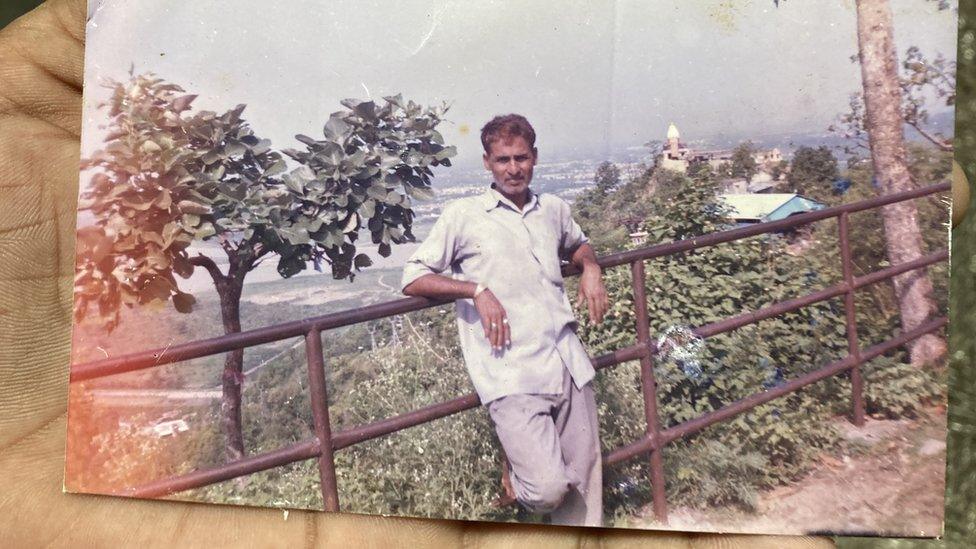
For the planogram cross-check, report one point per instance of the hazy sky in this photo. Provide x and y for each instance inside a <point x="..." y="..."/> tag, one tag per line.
<point x="588" y="74"/>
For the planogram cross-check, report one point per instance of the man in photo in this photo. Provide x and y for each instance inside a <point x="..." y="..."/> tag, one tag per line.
<point x="500" y="253"/>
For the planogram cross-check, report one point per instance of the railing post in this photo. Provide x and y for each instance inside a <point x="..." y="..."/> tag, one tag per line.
<point x="853" y="348"/>
<point x="320" y="416"/>
<point x="649" y="390"/>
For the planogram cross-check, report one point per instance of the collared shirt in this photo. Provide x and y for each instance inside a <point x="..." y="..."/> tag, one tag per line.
<point x="486" y="239"/>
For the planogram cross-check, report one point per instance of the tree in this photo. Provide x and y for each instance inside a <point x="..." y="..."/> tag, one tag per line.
<point x="700" y="169"/>
<point x="921" y="79"/>
<point x="601" y="207"/>
<point x="606" y="179"/>
<point x="779" y="169"/>
<point x="922" y="76"/>
<point x="655" y="149"/>
<point x="813" y="172"/>
<point x="884" y="123"/>
<point x="743" y="161"/>
<point x="166" y="179"/>
<point x="685" y="206"/>
<point x="724" y="170"/>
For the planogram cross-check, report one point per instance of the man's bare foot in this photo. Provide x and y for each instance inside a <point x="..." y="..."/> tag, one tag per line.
<point x="508" y="493"/>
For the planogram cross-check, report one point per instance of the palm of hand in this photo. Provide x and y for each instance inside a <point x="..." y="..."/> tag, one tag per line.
<point x="41" y="59"/>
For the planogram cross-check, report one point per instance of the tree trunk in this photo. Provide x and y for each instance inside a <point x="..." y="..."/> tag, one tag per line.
<point x="884" y="124"/>
<point x="233" y="376"/>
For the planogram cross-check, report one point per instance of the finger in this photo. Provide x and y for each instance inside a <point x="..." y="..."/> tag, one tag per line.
<point x="726" y="541"/>
<point x="496" y="329"/>
<point x="500" y="332"/>
<point x="41" y="70"/>
<point x="508" y="332"/>
<point x="604" y="306"/>
<point x="484" y="323"/>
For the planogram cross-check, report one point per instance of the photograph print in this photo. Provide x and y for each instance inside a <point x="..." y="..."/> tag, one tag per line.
<point x="632" y="264"/>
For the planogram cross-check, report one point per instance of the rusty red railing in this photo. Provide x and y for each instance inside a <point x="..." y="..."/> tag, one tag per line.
<point x="325" y="443"/>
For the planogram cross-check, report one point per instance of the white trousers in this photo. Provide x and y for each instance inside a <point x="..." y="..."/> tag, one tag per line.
<point x="553" y="445"/>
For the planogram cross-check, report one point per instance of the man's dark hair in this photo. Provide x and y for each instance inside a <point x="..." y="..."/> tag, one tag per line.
<point x="507" y="126"/>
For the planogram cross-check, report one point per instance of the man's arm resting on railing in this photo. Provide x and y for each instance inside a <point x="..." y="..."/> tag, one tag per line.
<point x="591" y="288"/>
<point x="493" y="317"/>
<point x="437" y="286"/>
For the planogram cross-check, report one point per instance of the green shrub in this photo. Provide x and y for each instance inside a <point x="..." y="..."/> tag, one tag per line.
<point x="448" y="468"/>
<point x="894" y="389"/>
<point x="771" y="443"/>
<point x="709" y="472"/>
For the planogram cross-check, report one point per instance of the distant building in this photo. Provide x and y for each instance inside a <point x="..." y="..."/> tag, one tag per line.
<point x="761" y="183"/>
<point x="752" y="208"/>
<point x="677" y="156"/>
<point x="168" y="428"/>
<point x="637" y="235"/>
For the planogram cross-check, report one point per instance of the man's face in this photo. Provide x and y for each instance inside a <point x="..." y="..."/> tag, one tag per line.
<point x="510" y="162"/>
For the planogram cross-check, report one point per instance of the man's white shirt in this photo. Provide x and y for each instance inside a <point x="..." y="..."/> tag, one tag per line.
<point x="516" y="254"/>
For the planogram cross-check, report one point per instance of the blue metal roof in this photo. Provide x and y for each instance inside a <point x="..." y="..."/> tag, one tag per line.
<point x="768" y="207"/>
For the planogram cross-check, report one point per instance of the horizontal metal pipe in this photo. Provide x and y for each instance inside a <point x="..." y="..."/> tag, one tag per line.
<point x="790" y="222"/>
<point x="386" y="426"/>
<point x="645" y="444"/>
<point x="229" y="342"/>
<point x="790" y="305"/>
<point x="699" y="423"/>
<point x="343" y="439"/>
<point x="623" y="354"/>
<point x="627" y="452"/>
<point x="895" y="270"/>
<point x="253" y="464"/>
<point x="310" y="449"/>
<point x="383" y="427"/>
<point x="258" y="336"/>
<point x="729" y="324"/>
<point x="879" y="349"/>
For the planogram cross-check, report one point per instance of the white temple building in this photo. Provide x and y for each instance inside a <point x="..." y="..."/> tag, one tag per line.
<point x="677" y="155"/>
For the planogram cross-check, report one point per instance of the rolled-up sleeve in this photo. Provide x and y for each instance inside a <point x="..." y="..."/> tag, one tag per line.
<point x="437" y="251"/>
<point x="571" y="236"/>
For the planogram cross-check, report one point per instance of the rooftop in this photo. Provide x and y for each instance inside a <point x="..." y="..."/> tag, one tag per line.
<point x="768" y="207"/>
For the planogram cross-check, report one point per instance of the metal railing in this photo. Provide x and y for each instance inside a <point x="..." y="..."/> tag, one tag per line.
<point x="326" y="443"/>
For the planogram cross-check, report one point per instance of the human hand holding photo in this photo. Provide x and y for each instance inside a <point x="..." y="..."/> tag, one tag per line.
<point x="41" y="60"/>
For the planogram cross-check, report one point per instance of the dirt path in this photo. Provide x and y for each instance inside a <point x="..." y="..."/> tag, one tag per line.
<point x="890" y="481"/>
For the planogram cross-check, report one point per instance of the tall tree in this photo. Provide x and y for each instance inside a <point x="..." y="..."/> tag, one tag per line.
<point x="884" y="124"/>
<point x="606" y="179"/>
<point x="744" y="161"/>
<point x="813" y="172"/>
<point x="166" y="178"/>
